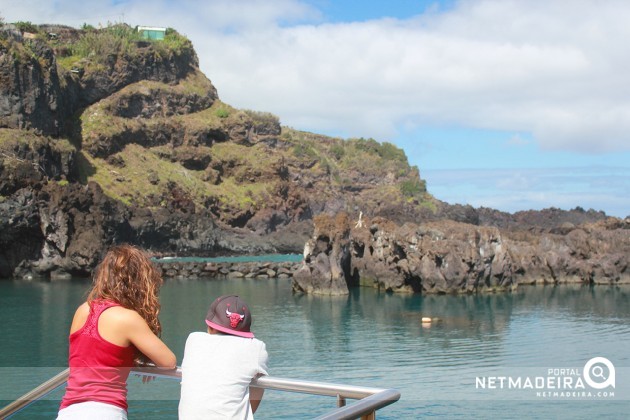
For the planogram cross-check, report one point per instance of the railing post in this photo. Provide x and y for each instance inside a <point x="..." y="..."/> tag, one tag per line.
<point x="369" y="416"/>
<point x="341" y="400"/>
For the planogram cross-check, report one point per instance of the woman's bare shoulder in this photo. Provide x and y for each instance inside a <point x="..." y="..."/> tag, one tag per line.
<point x="123" y="314"/>
<point x="80" y="316"/>
<point x="83" y="309"/>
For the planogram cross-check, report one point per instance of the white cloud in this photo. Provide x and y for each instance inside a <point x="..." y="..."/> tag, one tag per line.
<point x="554" y="69"/>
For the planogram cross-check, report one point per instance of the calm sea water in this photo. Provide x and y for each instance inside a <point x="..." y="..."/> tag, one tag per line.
<point x="236" y="259"/>
<point x="368" y="339"/>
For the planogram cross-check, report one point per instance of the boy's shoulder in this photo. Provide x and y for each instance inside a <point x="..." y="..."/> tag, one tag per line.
<point x="204" y="337"/>
<point x="198" y="336"/>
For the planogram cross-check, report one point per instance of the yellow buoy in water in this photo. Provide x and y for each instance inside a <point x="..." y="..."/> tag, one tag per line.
<point x="426" y="319"/>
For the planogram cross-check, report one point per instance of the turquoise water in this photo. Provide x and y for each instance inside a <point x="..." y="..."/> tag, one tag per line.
<point x="236" y="259"/>
<point x="367" y="339"/>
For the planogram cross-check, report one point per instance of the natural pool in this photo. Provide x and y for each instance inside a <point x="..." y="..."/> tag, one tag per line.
<point x="367" y="338"/>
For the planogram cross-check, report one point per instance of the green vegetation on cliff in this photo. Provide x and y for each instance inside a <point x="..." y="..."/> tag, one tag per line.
<point x="344" y="160"/>
<point x="149" y="128"/>
<point x="95" y="47"/>
<point x="27" y="158"/>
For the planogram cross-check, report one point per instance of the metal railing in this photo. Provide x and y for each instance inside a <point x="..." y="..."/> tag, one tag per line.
<point x="35" y="394"/>
<point x="369" y="399"/>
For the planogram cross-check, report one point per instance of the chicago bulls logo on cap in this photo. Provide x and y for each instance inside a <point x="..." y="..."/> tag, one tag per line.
<point x="235" y="317"/>
<point x="230" y="315"/>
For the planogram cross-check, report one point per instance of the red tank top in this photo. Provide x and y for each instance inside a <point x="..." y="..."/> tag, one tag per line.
<point x="98" y="368"/>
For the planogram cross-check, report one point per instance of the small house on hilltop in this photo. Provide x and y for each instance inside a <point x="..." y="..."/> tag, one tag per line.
<point x="152" y="32"/>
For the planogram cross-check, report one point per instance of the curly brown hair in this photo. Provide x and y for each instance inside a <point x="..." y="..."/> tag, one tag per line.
<point x="128" y="277"/>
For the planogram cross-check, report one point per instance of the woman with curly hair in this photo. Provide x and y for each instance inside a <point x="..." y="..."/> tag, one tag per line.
<point x="117" y="326"/>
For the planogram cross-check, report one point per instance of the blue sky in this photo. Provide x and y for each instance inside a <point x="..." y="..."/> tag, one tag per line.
<point x="358" y="10"/>
<point x="508" y="104"/>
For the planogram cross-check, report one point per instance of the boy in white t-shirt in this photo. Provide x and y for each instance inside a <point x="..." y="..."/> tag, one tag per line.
<point x="219" y="365"/>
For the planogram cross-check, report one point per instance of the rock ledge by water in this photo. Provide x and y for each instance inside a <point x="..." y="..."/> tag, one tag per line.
<point x="452" y="257"/>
